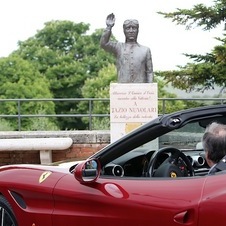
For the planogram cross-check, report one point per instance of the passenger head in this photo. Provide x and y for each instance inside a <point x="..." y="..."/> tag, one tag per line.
<point x="214" y="143"/>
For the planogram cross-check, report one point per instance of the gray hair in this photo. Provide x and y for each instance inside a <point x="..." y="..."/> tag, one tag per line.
<point x="214" y="141"/>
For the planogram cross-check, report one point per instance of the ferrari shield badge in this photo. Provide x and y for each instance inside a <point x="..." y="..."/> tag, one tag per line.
<point x="44" y="176"/>
<point x="173" y="174"/>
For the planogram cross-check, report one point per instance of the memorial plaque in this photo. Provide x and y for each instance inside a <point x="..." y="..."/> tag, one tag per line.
<point x="131" y="105"/>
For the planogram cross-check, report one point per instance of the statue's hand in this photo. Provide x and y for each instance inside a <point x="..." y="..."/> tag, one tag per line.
<point x="110" y="21"/>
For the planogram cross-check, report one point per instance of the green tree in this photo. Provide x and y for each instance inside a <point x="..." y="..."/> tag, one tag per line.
<point x="98" y="87"/>
<point x="21" y="80"/>
<point x="207" y="70"/>
<point x="66" y="55"/>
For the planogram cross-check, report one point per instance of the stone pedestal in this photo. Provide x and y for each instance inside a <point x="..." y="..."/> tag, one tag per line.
<point x="131" y="105"/>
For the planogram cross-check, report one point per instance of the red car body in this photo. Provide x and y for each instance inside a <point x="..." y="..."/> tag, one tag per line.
<point x="62" y="196"/>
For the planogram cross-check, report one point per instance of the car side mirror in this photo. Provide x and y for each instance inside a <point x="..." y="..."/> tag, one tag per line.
<point x="87" y="171"/>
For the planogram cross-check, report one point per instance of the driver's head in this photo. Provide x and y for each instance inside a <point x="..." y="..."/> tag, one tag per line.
<point x="214" y="143"/>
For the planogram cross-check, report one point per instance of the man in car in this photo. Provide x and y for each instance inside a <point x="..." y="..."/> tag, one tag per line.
<point x="214" y="144"/>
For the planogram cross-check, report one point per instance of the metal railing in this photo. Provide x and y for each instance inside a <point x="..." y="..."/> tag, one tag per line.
<point x="90" y="102"/>
<point x="89" y="115"/>
<point x="206" y="100"/>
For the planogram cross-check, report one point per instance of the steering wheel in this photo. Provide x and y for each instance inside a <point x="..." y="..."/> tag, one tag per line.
<point x="172" y="166"/>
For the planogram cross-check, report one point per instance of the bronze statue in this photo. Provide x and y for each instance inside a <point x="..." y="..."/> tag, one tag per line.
<point x="133" y="61"/>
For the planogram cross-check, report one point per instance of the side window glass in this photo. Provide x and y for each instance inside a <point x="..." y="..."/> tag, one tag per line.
<point x="188" y="137"/>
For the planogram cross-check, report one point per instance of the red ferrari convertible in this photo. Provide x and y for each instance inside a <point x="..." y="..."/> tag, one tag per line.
<point x="156" y="175"/>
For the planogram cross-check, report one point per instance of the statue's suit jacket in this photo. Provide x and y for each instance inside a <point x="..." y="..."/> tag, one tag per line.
<point x="133" y="61"/>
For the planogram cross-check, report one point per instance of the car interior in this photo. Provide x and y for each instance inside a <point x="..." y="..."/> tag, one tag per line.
<point x="178" y="153"/>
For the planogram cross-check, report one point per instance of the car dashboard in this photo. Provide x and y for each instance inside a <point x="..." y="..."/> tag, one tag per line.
<point x="136" y="163"/>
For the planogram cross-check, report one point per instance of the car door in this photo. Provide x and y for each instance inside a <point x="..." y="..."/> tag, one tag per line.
<point x="212" y="210"/>
<point x="128" y="201"/>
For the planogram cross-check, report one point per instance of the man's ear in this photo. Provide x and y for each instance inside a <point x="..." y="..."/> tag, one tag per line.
<point x="208" y="160"/>
<point x="207" y="154"/>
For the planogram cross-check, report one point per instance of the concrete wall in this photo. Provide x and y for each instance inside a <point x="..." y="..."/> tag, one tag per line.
<point x="85" y="143"/>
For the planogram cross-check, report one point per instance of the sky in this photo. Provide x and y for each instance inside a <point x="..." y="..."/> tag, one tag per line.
<point x="21" y="19"/>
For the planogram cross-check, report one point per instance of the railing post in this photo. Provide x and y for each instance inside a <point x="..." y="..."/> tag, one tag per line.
<point x="90" y="114"/>
<point x="163" y="106"/>
<point x="19" y="115"/>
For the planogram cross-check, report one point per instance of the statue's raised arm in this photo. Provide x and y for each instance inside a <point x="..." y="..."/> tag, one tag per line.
<point x="105" y="38"/>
